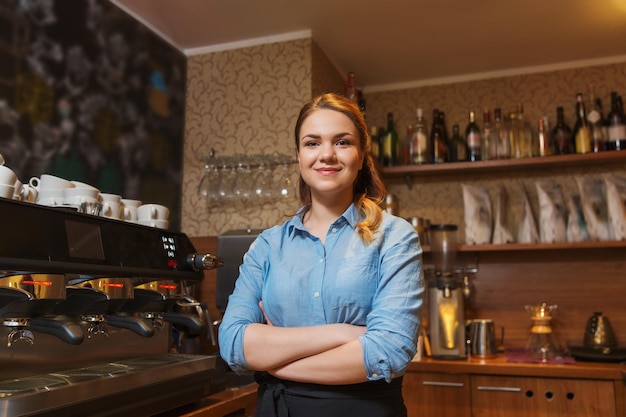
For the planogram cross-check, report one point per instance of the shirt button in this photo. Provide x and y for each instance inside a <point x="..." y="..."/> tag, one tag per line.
<point x="334" y="230"/>
<point x="322" y="260"/>
<point x="374" y="376"/>
<point x="316" y="294"/>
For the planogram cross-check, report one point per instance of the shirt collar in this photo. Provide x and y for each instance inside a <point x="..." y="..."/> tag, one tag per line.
<point x="350" y="216"/>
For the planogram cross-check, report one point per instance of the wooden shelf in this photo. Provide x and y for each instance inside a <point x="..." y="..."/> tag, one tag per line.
<point x="538" y="246"/>
<point x="500" y="165"/>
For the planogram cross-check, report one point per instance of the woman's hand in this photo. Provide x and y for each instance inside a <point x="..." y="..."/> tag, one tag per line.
<point x="267" y="320"/>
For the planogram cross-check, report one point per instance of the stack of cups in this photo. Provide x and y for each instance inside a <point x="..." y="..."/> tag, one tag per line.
<point x="153" y="215"/>
<point x="7" y="182"/>
<point x="111" y="205"/>
<point x="129" y="210"/>
<point x="50" y="189"/>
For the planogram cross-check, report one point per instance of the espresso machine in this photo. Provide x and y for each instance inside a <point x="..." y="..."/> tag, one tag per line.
<point x="446" y="294"/>
<point x="93" y="315"/>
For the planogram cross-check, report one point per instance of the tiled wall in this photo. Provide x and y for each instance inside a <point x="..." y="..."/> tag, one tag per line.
<point x="246" y="101"/>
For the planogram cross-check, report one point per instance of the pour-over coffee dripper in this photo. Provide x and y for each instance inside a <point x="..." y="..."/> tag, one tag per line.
<point x="541" y="343"/>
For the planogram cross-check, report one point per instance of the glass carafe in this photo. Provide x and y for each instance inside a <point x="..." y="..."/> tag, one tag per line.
<point x="541" y="343"/>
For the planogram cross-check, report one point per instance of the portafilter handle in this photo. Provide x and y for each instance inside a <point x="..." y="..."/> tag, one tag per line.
<point x="200" y="261"/>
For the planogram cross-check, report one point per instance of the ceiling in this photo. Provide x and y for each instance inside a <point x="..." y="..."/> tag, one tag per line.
<point x="391" y="43"/>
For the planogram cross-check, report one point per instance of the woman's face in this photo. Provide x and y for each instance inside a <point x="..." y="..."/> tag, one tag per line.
<point x="329" y="154"/>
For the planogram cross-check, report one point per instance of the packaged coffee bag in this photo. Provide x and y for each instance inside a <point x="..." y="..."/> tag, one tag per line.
<point x="527" y="230"/>
<point x="478" y="216"/>
<point x="576" y="226"/>
<point x="616" y="205"/>
<point x="552" y="212"/>
<point x="501" y="231"/>
<point x="593" y="199"/>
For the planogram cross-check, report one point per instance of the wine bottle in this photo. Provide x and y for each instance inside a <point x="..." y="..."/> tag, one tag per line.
<point x="419" y="149"/>
<point x="404" y="150"/>
<point x="472" y="138"/>
<point x="582" y="133"/>
<point x="374" y="144"/>
<point x="437" y="144"/>
<point x="390" y="143"/>
<point x="597" y="124"/>
<point x="524" y="144"/>
<point x="489" y="143"/>
<point x="457" y="147"/>
<point x="381" y="139"/>
<point x="350" y="88"/>
<point x="561" y="134"/>
<point x="504" y="141"/>
<point x="544" y="142"/>
<point x="616" y="124"/>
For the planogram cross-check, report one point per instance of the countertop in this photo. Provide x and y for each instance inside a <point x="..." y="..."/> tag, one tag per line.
<point x="500" y="366"/>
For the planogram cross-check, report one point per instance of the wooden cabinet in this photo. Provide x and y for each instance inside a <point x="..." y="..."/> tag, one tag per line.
<point x="437" y="394"/>
<point x="503" y="396"/>
<point x="497" y="388"/>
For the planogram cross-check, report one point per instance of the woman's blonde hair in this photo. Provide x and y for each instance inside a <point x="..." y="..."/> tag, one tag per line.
<point x="368" y="189"/>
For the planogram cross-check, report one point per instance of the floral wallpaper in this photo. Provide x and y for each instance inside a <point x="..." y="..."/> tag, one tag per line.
<point x="245" y="101"/>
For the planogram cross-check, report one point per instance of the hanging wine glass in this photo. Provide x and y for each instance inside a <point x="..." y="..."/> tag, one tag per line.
<point x="240" y="187"/>
<point x="223" y="190"/>
<point x="204" y="188"/>
<point x="285" y="184"/>
<point x="261" y="186"/>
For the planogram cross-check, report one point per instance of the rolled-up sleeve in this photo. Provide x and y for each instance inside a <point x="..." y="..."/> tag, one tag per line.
<point x="394" y="321"/>
<point x="243" y="307"/>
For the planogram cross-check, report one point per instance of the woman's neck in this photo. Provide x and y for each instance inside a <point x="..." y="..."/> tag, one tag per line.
<point x="322" y="213"/>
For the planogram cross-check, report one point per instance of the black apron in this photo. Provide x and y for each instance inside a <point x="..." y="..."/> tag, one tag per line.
<point x="281" y="398"/>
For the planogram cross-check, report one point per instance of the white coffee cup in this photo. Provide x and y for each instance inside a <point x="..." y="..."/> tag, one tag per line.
<point x="75" y="196"/>
<point x="129" y="209"/>
<point x="78" y="184"/>
<point x="111" y="205"/>
<point x="50" y="197"/>
<point x="50" y="182"/>
<point x="152" y="212"/>
<point x="7" y="176"/>
<point x="7" y="191"/>
<point x="28" y="193"/>
<point x="161" y="224"/>
<point x="17" y="190"/>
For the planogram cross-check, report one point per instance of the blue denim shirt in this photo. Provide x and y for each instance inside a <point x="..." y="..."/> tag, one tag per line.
<point x="303" y="282"/>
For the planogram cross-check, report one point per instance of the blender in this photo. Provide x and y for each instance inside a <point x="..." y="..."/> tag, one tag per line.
<point x="446" y="296"/>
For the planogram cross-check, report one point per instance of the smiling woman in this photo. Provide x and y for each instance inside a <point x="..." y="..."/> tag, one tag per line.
<point x="326" y="309"/>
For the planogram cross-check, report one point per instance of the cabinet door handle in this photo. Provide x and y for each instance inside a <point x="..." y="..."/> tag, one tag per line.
<point x="507" y="389"/>
<point x="443" y="384"/>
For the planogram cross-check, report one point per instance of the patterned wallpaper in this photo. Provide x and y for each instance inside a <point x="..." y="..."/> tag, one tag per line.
<point x="246" y="101"/>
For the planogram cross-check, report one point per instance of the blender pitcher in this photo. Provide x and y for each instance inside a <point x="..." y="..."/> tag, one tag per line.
<point x="541" y="343"/>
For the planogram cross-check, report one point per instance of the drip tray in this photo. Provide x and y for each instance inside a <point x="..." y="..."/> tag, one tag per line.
<point x="29" y="385"/>
<point x="75" y="388"/>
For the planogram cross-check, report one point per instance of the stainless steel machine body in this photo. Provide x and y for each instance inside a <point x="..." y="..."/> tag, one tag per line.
<point x="88" y="306"/>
